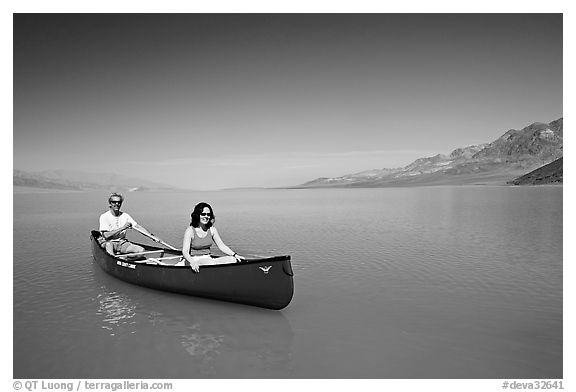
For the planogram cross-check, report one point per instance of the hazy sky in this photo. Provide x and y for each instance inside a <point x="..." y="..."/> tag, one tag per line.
<point x="212" y="101"/>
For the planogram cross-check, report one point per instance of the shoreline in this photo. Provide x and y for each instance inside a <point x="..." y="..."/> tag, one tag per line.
<point x="32" y="190"/>
<point x="26" y="189"/>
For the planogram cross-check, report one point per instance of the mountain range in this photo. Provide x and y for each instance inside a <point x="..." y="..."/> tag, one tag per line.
<point x="551" y="173"/>
<point x="81" y="181"/>
<point x="513" y="154"/>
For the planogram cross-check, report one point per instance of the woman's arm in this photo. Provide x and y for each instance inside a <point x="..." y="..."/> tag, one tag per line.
<point x="222" y="246"/>
<point x="188" y="234"/>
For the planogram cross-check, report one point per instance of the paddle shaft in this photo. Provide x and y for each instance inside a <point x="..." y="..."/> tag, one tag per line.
<point x="139" y="253"/>
<point x="168" y="258"/>
<point x="154" y="238"/>
<point x="160" y="260"/>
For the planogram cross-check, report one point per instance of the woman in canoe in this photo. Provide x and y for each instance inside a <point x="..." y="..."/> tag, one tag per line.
<point x="200" y="236"/>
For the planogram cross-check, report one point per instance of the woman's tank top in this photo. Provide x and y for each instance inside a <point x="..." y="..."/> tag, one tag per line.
<point x="201" y="245"/>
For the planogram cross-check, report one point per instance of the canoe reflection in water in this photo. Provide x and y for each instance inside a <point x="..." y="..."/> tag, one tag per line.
<point x="116" y="310"/>
<point x="188" y="337"/>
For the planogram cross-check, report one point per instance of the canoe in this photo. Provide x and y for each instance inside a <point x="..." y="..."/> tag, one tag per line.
<point x="263" y="282"/>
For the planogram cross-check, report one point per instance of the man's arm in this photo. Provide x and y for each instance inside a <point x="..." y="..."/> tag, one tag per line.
<point x="112" y="233"/>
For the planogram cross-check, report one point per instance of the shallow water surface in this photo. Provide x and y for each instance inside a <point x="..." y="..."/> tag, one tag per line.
<point x="439" y="282"/>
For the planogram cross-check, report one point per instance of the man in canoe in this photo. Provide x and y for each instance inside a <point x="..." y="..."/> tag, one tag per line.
<point x="113" y="226"/>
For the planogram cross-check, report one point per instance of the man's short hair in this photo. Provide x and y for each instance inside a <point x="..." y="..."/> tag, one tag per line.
<point x="115" y="194"/>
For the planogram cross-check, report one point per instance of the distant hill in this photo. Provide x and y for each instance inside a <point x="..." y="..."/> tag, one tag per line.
<point x="80" y="181"/>
<point x="513" y="154"/>
<point x="551" y="173"/>
<point x="24" y="180"/>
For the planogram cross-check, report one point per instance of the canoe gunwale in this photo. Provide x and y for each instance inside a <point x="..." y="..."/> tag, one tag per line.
<point x="172" y="252"/>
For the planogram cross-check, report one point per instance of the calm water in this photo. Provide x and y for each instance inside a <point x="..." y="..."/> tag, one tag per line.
<point x="442" y="282"/>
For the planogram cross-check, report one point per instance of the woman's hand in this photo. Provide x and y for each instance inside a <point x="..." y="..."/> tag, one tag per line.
<point x="239" y="258"/>
<point x="195" y="266"/>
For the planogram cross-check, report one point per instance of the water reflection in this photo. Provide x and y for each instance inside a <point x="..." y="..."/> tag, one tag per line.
<point x="202" y="345"/>
<point x="116" y="309"/>
<point x="191" y="337"/>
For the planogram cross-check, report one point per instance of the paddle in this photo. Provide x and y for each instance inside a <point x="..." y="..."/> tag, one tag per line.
<point x="154" y="238"/>
<point x="147" y="252"/>
<point x="160" y="260"/>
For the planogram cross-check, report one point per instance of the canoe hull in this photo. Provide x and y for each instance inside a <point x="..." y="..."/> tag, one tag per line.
<point x="266" y="283"/>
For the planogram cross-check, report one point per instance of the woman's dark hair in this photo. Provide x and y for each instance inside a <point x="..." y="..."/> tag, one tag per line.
<point x="195" y="221"/>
